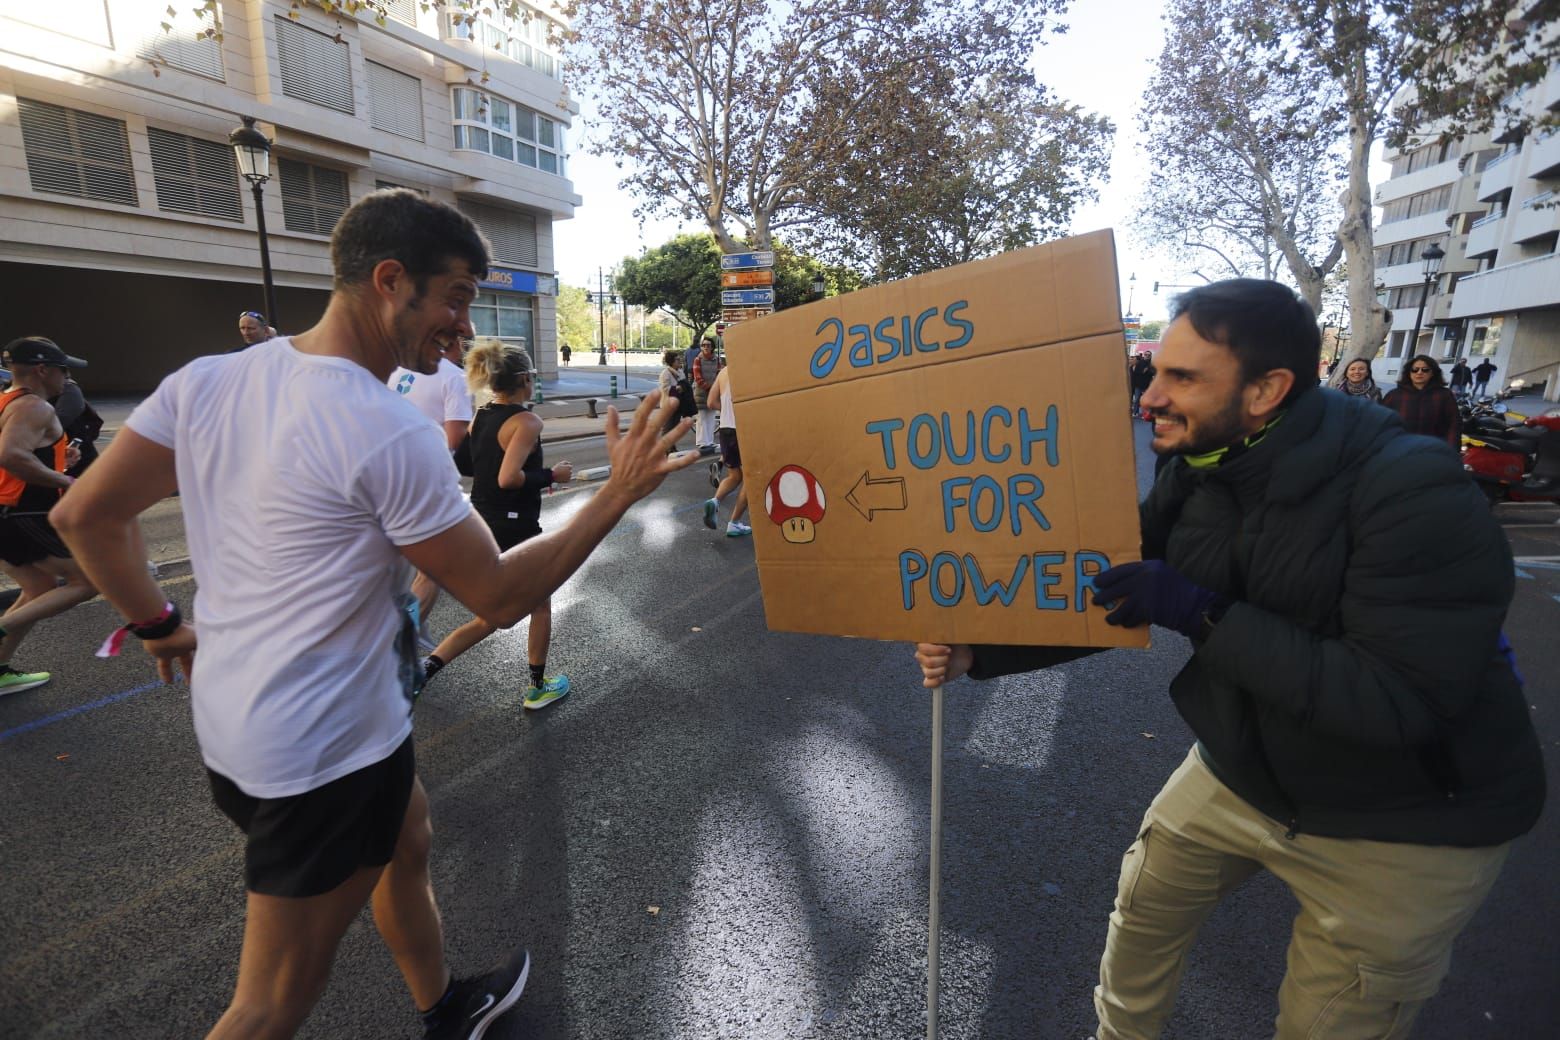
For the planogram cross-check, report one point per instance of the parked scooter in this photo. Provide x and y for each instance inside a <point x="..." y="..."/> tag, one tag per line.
<point x="1519" y="464"/>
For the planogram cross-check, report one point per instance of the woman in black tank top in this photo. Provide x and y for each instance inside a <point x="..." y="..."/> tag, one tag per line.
<point x="508" y="479"/>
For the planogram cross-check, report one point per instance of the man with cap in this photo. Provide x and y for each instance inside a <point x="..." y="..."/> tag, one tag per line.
<point x="32" y="477"/>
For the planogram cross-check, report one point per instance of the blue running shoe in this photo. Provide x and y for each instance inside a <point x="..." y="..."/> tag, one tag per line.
<point x="554" y="687"/>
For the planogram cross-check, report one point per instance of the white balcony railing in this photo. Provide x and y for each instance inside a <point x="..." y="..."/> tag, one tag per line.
<point x="1513" y="287"/>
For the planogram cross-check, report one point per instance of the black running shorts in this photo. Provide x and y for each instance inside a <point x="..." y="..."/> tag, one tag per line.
<point x="307" y="844"/>
<point x="730" y="452"/>
<point x="510" y="533"/>
<point x="27" y="538"/>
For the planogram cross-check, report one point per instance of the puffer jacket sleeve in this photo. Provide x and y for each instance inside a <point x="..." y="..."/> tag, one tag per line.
<point x="1425" y="592"/>
<point x="994" y="661"/>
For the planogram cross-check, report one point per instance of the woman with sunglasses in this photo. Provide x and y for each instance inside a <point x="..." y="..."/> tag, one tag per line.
<point x="506" y="491"/>
<point x="1425" y="404"/>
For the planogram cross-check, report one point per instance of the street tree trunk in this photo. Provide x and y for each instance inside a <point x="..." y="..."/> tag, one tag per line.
<point x="1368" y="319"/>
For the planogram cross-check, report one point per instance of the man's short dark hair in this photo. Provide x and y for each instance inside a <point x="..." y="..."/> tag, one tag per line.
<point x="1265" y="324"/>
<point x="400" y="224"/>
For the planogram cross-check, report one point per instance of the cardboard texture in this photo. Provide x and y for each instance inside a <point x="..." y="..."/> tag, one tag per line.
<point x="946" y="458"/>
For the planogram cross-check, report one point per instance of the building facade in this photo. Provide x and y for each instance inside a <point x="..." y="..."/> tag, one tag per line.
<point x="126" y="232"/>
<point x="1489" y="201"/>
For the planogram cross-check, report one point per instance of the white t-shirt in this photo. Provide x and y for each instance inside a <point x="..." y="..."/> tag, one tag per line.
<point x="442" y="397"/>
<point x="295" y="501"/>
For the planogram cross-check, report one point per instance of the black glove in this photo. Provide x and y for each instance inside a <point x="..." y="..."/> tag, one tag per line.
<point x="1155" y="592"/>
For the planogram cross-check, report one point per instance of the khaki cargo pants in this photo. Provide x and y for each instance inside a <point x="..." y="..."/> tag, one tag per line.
<point x="1371" y="943"/>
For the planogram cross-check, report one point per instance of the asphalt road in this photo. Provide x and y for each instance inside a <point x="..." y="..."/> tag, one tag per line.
<point x="721" y="833"/>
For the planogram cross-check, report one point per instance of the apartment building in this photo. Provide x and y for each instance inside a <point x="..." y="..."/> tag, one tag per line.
<point x="1430" y="199"/>
<point x="1489" y="201"/>
<point x="1510" y="306"/>
<point x="126" y="231"/>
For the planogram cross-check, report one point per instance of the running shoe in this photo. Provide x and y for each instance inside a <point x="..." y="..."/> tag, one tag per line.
<point x="711" y="507"/>
<point x="554" y="687"/>
<point x="473" y="1004"/>
<point x="13" y="681"/>
<point x="737" y="529"/>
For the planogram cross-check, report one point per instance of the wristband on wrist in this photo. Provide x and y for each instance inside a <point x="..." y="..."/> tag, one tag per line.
<point x="160" y="627"/>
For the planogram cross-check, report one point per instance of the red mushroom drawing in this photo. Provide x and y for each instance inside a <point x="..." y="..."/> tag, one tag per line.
<point x="794" y="500"/>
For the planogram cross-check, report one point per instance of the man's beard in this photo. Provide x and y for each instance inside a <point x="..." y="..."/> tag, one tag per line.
<point x="411" y="342"/>
<point x="1221" y="431"/>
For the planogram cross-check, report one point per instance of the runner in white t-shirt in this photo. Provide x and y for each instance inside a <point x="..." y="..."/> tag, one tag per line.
<point x="445" y="400"/>
<point x="306" y="509"/>
<point x="442" y="397"/>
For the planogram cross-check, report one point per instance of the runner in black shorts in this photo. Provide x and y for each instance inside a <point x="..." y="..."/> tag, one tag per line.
<point x="307" y="665"/>
<point x="32" y="443"/>
<point x="731" y="455"/>
<point x="307" y="844"/>
<point x="507" y="482"/>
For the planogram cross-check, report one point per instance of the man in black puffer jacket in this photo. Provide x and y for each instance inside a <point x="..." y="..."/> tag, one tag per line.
<point x="1361" y="729"/>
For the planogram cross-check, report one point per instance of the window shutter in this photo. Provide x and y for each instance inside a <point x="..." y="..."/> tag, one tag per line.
<point x="402" y="10"/>
<point x="313" y="197"/>
<point x="314" y="66"/>
<point x="395" y="101"/>
<point x="76" y="153"/>
<point x="182" y="46"/>
<point x="194" y="175"/>
<point x="511" y="234"/>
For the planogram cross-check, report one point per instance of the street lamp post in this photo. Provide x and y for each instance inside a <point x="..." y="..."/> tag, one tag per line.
<point x="601" y="297"/>
<point x="1131" y="288"/>
<point x="1432" y="256"/>
<point x="819" y="286"/>
<point x="253" y="151"/>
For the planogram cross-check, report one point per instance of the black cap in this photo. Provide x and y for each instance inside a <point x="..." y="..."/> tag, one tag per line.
<point x="35" y="350"/>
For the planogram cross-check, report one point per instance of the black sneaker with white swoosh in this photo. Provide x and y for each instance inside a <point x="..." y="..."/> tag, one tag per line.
<point x="474" y="1004"/>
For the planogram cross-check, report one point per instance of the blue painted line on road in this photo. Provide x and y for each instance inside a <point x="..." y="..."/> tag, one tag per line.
<point x="1523" y="574"/>
<point x="80" y="709"/>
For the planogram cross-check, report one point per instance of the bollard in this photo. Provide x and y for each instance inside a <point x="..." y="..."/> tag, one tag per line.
<point x="614" y="386"/>
<point x="538" y="397"/>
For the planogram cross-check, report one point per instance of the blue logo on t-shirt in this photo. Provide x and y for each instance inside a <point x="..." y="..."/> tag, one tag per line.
<point x="404" y="384"/>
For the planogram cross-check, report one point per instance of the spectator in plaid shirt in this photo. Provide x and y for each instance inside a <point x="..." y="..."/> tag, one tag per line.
<point x="1425" y="404"/>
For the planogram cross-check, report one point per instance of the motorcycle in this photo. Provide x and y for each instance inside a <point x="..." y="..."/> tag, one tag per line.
<point x="1518" y="463"/>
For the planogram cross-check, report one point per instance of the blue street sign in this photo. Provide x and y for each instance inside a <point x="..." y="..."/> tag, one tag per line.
<point x="747" y="298"/>
<point x="737" y="261"/>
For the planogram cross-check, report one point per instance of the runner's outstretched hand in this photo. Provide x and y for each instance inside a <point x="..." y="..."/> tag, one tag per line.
<point x="174" y="654"/>
<point x="942" y="664"/>
<point x="639" y="456"/>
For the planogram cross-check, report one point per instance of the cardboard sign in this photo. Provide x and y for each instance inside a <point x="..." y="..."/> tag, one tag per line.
<point x="946" y="458"/>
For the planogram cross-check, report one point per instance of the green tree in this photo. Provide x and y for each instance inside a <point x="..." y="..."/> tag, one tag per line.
<point x="1151" y="330"/>
<point x="576" y="319"/>
<point x="682" y="276"/>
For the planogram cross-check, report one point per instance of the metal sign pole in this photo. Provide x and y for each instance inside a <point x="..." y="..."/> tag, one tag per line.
<point x="934" y="914"/>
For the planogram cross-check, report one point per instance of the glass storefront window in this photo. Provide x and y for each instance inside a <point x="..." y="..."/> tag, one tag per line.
<point x="506" y="315"/>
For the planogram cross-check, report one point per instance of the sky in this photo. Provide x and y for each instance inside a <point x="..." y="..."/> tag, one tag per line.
<point x="1102" y="63"/>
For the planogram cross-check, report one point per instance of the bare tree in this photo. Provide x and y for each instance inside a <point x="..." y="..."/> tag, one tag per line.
<point x="1440" y="61"/>
<point x="1004" y="170"/>
<point x="731" y="112"/>
<point x="1243" y="170"/>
